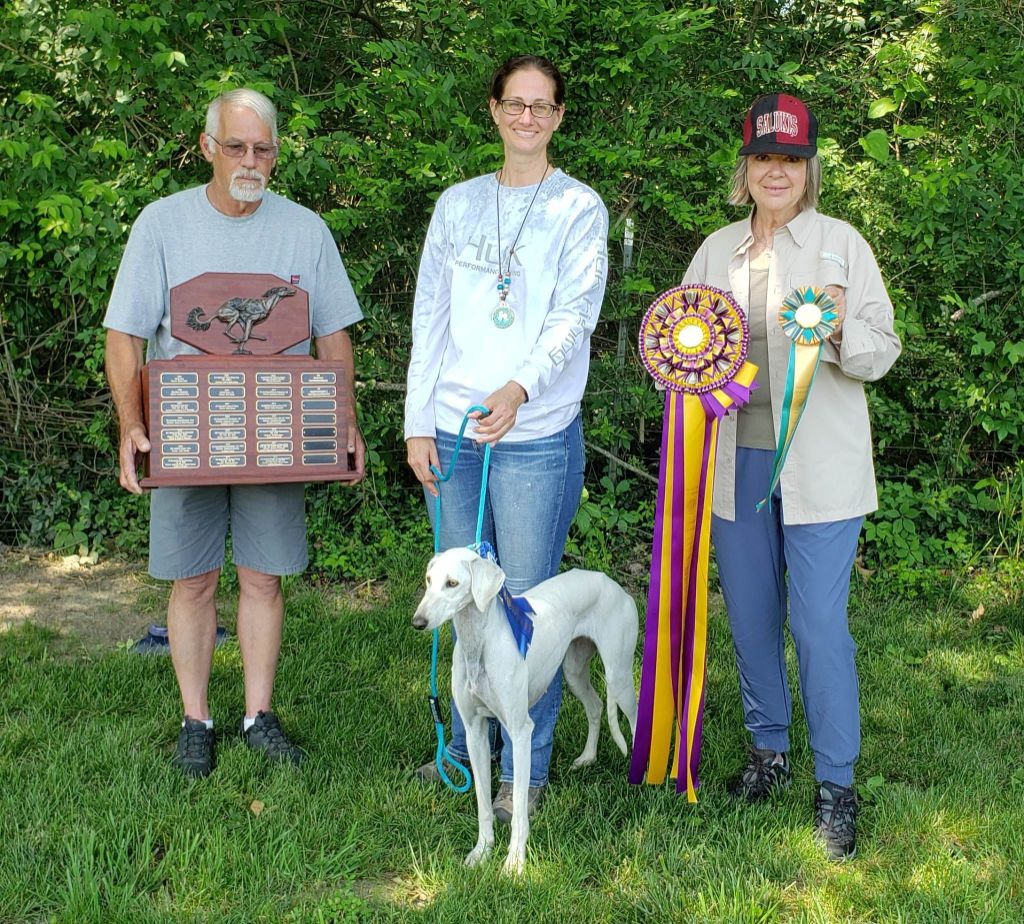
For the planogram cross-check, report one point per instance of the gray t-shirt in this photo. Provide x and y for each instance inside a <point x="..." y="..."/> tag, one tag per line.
<point x="176" y="238"/>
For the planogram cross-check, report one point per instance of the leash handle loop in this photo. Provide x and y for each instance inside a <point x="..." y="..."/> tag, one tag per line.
<point x="441" y="755"/>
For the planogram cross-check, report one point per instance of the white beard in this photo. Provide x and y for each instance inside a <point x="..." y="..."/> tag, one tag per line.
<point x="247" y="192"/>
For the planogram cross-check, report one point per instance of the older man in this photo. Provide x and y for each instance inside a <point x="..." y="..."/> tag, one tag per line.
<point x="233" y="224"/>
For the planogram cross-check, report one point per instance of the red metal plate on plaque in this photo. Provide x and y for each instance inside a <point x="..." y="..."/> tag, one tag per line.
<point x="245" y="420"/>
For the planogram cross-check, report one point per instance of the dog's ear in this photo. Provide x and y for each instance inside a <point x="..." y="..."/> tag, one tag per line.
<point x="487" y="579"/>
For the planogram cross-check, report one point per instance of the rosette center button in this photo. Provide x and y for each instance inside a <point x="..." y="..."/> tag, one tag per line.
<point x="691" y="336"/>
<point x="808" y="316"/>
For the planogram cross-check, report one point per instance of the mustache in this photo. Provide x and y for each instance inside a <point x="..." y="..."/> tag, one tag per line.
<point x="244" y="173"/>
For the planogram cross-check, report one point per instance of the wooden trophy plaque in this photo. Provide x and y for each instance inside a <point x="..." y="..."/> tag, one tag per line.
<point x="240" y="412"/>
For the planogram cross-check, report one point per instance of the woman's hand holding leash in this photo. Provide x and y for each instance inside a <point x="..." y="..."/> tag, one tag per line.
<point x="421" y="454"/>
<point x="504" y="405"/>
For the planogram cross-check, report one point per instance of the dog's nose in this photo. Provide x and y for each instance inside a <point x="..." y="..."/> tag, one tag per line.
<point x="419" y="622"/>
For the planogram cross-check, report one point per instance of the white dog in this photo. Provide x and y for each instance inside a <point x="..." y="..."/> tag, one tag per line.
<point x="575" y="614"/>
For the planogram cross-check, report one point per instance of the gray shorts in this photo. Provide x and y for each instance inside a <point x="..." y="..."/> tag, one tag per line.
<point x="188" y="526"/>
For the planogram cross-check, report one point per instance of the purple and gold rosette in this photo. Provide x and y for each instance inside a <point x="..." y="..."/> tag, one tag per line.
<point x="693" y="341"/>
<point x="808" y="318"/>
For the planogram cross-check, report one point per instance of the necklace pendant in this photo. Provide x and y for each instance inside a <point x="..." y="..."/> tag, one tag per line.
<point x="503" y="317"/>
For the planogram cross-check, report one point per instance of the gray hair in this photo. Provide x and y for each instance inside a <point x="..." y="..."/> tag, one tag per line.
<point x="740" y="192"/>
<point x="246" y="99"/>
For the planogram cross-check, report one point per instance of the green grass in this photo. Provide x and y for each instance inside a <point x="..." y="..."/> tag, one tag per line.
<point x="95" y="826"/>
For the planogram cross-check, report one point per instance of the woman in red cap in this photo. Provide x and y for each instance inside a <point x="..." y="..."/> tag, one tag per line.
<point x="802" y="544"/>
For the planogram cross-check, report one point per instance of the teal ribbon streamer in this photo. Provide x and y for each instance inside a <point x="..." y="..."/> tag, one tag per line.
<point x="787" y="412"/>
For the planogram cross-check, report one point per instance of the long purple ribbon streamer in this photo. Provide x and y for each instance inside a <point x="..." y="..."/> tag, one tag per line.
<point x="645" y="706"/>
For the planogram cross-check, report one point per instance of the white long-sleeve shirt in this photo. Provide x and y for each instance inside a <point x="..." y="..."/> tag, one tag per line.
<point x="558" y="273"/>
<point x="829" y="474"/>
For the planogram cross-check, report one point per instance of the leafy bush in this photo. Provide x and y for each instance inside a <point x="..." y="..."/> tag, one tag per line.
<point x="383" y="106"/>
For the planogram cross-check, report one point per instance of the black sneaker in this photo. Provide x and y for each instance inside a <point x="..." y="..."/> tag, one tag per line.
<point x="835" y="820"/>
<point x="266" y="736"/>
<point x="766" y="773"/>
<point x="194" y="755"/>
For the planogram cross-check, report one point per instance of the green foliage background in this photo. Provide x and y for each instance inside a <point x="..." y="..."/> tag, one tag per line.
<point x="383" y="105"/>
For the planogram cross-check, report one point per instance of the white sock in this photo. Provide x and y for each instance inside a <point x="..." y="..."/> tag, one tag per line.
<point x="248" y="723"/>
<point x="207" y="722"/>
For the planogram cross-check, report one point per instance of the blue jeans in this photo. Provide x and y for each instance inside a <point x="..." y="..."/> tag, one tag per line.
<point x="761" y="562"/>
<point x="533" y="491"/>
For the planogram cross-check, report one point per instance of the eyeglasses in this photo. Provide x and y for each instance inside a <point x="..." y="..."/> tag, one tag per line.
<point x="537" y="110"/>
<point x="236" y="149"/>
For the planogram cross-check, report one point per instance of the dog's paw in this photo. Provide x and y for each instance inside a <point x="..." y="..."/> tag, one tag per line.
<point x="513" y="865"/>
<point x="584" y="760"/>
<point x="477" y="855"/>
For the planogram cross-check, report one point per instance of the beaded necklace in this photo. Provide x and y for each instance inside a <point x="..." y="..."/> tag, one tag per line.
<point x="504" y="315"/>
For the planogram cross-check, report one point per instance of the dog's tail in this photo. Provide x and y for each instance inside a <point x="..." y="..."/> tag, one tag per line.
<point x="621" y="690"/>
<point x="193" y="320"/>
<point x="618" y="680"/>
<point x="613" y="724"/>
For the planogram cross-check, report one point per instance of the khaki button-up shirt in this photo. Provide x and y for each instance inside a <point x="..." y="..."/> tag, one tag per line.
<point x="829" y="474"/>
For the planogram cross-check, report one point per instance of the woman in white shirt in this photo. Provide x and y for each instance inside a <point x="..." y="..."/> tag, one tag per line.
<point x="803" y="544"/>
<point x="509" y="291"/>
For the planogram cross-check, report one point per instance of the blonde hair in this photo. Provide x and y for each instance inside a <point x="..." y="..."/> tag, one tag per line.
<point x="740" y="192"/>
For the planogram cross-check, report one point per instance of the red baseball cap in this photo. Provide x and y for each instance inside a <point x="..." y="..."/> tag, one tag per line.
<point x="780" y="124"/>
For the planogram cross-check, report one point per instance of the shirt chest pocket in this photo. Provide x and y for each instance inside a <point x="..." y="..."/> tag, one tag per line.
<point x="828" y="269"/>
<point x="719" y="280"/>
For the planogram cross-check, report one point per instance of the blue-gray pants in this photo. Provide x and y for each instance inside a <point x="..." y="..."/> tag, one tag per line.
<point x="758" y="556"/>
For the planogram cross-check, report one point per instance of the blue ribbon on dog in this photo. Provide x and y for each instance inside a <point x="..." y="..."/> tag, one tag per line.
<point x="518" y="611"/>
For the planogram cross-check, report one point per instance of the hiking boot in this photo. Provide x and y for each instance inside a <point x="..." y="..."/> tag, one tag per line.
<point x="766" y="773"/>
<point x="268" y="738"/>
<point x="835" y="819"/>
<point x="194" y="754"/>
<point x="502" y="803"/>
<point x="428" y="773"/>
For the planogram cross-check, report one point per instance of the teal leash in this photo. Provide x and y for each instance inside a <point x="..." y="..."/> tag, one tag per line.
<point x="442" y="754"/>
